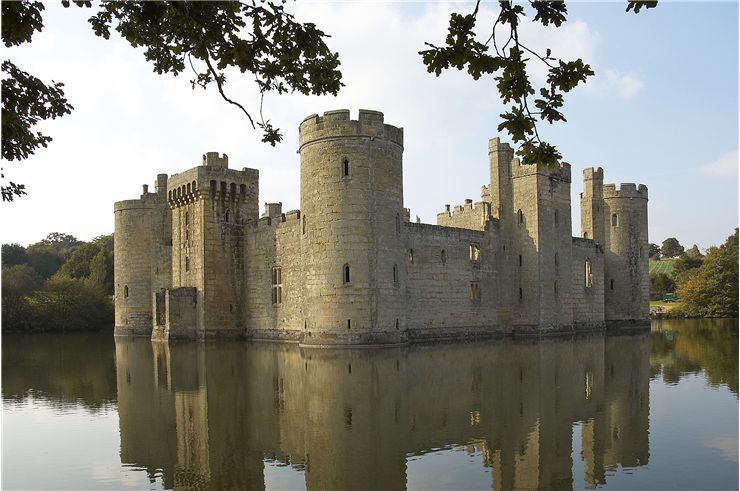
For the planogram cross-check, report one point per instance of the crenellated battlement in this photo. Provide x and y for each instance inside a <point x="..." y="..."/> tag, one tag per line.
<point x="626" y="190"/>
<point x="337" y="124"/>
<point x="593" y="174"/>
<point x="466" y="215"/>
<point x="290" y="218"/>
<point x="562" y="171"/>
<point x="212" y="180"/>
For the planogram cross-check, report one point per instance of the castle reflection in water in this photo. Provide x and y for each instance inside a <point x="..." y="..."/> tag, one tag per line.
<point x="212" y="414"/>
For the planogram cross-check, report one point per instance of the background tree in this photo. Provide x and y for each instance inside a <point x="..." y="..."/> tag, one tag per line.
<point x="19" y="280"/>
<point x="654" y="251"/>
<point x="660" y="284"/>
<point x="713" y="290"/>
<point x="686" y="264"/>
<point x="671" y="248"/>
<point x="14" y="254"/>
<point x="209" y="38"/>
<point x="505" y="56"/>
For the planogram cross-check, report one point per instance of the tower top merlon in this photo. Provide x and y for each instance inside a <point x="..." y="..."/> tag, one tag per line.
<point x="212" y="159"/>
<point x="593" y="174"/>
<point x="337" y="124"/>
<point x="626" y="190"/>
<point x="495" y="145"/>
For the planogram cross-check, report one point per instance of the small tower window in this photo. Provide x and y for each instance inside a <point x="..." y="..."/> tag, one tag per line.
<point x="611" y="284"/>
<point x="520" y="260"/>
<point x="521" y="295"/>
<point x="520" y="216"/>
<point x="277" y="286"/>
<point x="475" y="252"/>
<point x="555" y="288"/>
<point x="303" y="224"/>
<point x="226" y="216"/>
<point x="346" y="273"/>
<point x="615" y="220"/>
<point x="395" y="274"/>
<point x="475" y="291"/>
<point x="187" y="218"/>
<point x="125" y="291"/>
<point x="411" y="256"/>
<point x="557" y="262"/>
<point x="585" y="235"/>
<point x="557" y="218"/>
<point x="398" y="223"/>
<point x="443" y="256"/>
<point x="589" y="277"/>
<point x="187" y="263"/>
<point x="345" y="167"/>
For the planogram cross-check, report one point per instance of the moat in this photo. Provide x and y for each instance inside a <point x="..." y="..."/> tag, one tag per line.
<point x="650" y="410"/>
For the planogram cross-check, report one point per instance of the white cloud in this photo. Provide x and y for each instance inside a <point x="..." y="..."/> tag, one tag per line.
<point x="724" y="166"/>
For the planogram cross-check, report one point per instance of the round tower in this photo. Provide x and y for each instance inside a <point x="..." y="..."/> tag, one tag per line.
<point x="352" y="223"/>
<point x="134" y="264"/>
<point x="626" y="272"/>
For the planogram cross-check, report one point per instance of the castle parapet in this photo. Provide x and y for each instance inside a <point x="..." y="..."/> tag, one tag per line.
<point x="593" y="174"/>
<point x="626" y="190"/>
<point x="337" y="124"/>
<point x="212" y="159"/>
<point x="562" y="171"/>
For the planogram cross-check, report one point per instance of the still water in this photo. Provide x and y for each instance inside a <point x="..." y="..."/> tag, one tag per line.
<point x="648" y="411"/>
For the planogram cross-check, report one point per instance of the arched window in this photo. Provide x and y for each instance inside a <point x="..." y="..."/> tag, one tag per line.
<point x="345" y="167"/>
<point x="232" y="189"/>
<point x="395" y="274"/>
<point x="194" y="186"/>
<point x="520" y="216"/>
<point x="585" y="235"/>
<point x="188" y="188"/>
<point x="346" y="273"/>
<point x="125" y="291"/>
<point x="589" y="277"/>
<point x="615" y="220"/>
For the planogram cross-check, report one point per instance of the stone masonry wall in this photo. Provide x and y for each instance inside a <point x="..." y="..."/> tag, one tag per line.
<point x="469" y="215"/>
<point x="587" y="301"/>
<point x="446" y="289"/>
<point x="275" y="243"/>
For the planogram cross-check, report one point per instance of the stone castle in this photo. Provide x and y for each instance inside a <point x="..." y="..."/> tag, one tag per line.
<point x="195" y="259"/>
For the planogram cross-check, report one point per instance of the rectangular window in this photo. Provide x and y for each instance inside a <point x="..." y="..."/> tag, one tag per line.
<point x="277" y="286"/>
<point x="475" y="291"/>
<point x="475" y="252"/>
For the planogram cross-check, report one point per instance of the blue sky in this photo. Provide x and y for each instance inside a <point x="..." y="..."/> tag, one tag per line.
<point x="662" y="110"/>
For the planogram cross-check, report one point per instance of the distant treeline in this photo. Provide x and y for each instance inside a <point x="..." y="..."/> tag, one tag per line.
<point x="58" y="284"/>
<point x="705" y="284"/>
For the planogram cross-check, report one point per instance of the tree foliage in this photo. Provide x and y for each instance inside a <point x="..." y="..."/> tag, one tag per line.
<point x="210" y="38"/>
<point x="506" y="58"/>
<point x="660" y="284"/>
<point x="63" y="284"/>
<point x="14" y="254"/>
<point x="713" y="290"/>
<point x="654" y="251"/>
<point x="671" y="248"/>
<point x="687" y="263"/>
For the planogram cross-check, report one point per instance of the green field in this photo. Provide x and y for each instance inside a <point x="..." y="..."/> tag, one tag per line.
<point x="662" y="266"/>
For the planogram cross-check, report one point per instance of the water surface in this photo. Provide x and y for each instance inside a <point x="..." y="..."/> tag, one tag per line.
<point x="647" y="411"/>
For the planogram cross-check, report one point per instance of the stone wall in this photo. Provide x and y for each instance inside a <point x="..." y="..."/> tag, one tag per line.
<point x="450" y="280"/>
<point x="469" y="215"/>
<point x="587" y="293"/>
<point x="275" y="310"/>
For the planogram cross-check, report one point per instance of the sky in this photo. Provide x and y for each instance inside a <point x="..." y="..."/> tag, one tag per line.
<point x="662" y="110"/>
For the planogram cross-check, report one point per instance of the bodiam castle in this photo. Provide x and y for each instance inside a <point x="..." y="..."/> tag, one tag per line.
<point x="195" y="259"/>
